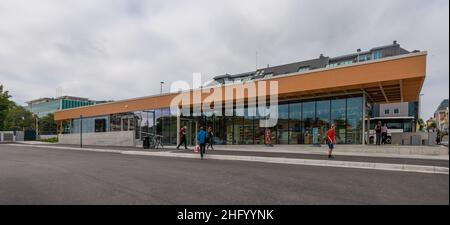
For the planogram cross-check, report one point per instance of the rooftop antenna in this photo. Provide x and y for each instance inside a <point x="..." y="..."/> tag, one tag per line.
<point x="256" y="66"/>
<point x="58" y="92"/>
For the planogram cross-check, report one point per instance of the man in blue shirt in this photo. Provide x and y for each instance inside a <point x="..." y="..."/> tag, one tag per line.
<point x="201" y="139"/>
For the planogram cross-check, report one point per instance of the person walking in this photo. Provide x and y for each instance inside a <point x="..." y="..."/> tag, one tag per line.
<point x="384" y="131"/>
<point x="378" y="132"/>
<point x="201" y="139"/>
<point x="331" y="141"/>
<point x="210" y="138"/>
<point x="438" y="137"/>
<point x="182" y="134"/>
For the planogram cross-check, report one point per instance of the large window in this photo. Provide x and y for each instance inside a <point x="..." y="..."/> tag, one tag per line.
<point x="90" y="124"/>
<point x="259" y="131"/>
<point x="354" y="120"/>
<point x="165" y="119"/>
<point x="309" y="114"/>
<point x="125" y="124"/>
<point x="323" y="119"/>
<point x="295" y="123"/>
<point x="220" y="130"/>
<point x="238" y="130"/>
<point x="377" y="54"/>
<point x="364" y="57"/>
<point x="283" y="124"/>
<point x="100" y="125"/>
<point x="115" y="122"/>
<point x="338" y="118"/>
<point x="228" y="129"/>
<point x="303" y="69"/>
<point x="248" y="126"/>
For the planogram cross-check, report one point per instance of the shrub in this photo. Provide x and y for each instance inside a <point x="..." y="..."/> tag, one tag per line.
<point x="50" y="140"/>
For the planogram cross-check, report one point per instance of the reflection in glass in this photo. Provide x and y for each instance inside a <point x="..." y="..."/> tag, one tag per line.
<point x="323" y="119"/>
<point x="309" y="113"/>
<point x="248" y="126"/>
<point x="354" y="120"/>
<point x="283" y="124"/>
<point x="338" y="115"/>
<point x="237" y="129"/>
<point x="295" y="123"/>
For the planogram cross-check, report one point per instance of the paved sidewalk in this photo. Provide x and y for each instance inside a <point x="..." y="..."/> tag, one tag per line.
<point x="426" y="166"/>
<point x="385" y="151"/>
<point x="354" y="158"/>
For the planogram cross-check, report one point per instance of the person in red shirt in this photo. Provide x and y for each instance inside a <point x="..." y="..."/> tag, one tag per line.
<point x="182" y="134"/>
<point x="331" y="140"/>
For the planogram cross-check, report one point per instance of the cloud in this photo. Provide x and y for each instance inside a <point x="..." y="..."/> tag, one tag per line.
<point x="112" y="49"/>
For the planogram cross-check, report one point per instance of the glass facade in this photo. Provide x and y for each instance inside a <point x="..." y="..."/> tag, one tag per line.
<point x="299" y="122"/>
<point x="68" y="104"/>
<point x="44" y="108"/>
<point x="377" y="54"/>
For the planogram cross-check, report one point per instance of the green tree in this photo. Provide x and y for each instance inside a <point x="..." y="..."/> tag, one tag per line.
<point x="18" y="118"/>
<point x="431" y="124"/>
<point x="47" y="124"/>
<point x="421" y="124"/>
<point x="5" y="105"/>
<point x="13" y="116"/>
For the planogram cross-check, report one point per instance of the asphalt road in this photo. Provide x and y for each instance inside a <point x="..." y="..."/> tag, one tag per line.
<point x="51" y="176"/>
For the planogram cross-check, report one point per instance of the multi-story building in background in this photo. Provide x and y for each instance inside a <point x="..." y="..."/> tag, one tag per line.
<point x="44" y="106"/>
<point x="441" y="116"/>
<point x="400" y="116"/>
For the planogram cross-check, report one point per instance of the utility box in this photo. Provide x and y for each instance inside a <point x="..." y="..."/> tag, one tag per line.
<point x="432" y="138"/>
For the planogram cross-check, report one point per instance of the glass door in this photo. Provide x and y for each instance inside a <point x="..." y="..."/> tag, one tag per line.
<point x="191" y="130"/>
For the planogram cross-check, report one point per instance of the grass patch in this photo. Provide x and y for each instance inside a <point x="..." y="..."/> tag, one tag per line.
<point x="50" y="140"/>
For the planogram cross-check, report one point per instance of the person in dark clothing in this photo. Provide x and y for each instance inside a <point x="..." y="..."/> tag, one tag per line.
<point x="438" y="137"/>
<point x="210" y="138"/>
<point x="378" y="132"/>
<point x="182" y="138"/>
<point x="201" y="139"/>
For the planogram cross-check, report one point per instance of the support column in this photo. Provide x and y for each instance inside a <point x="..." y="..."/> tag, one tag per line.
<point x="178" y="126"/>
<point x="363" y="136"/>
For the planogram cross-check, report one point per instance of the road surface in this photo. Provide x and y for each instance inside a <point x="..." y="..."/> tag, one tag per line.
<point x="54" y="176"/>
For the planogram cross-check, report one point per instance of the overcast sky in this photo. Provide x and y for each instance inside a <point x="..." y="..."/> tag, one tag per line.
<point x="111" y="49"/>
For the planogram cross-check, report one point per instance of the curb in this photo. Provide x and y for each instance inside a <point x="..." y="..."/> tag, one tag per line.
<point x="277" y="160"/>
<point x="343" y="153"/>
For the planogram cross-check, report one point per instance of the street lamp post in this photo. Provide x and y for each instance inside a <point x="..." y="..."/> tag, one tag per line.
<point x="37" y="126"/>
<point x="420" y="105"/>
<point x="161" y="110"/>
<point x="81" y="131"/>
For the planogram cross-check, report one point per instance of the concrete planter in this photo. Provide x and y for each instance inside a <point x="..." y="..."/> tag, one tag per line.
<point x="118" y="138"/>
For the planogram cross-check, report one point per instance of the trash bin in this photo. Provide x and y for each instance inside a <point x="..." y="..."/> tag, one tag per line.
<point x="146" y="142"/>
